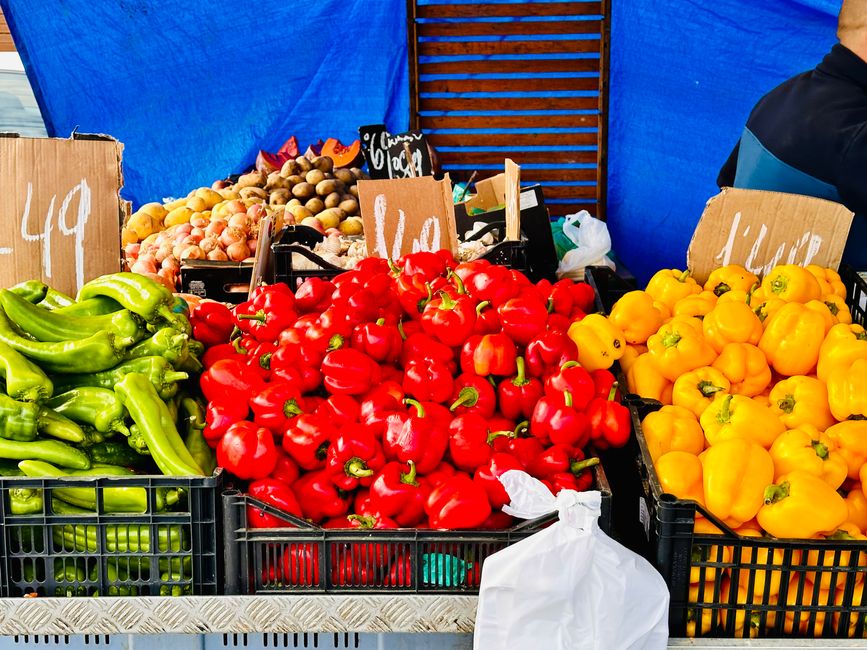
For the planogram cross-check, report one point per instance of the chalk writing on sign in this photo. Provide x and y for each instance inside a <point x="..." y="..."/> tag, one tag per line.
<point x="385" y="154"/>
<point x="809" y="242"/>
<point x="428" y="240"/>
<point x="44" y="230"/>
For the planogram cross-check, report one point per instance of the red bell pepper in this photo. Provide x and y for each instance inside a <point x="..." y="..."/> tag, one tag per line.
<point x="583" y="298"/>
<point x="603" y="381"/>
<point x="498" y="520"/>
<point x="275" y="405"/>
<point x="362" y="306"/>
<point x="270" y="310"/>
<point x="349" y="372"/>
<point x="222" y="351"/>
<point x="339" y="410"/>
<point x="320" y="499"/>
<point x="419" y="437"/>
<point x="517" y="396"/>
<point x="353" y="459"/>
<point x="487" y="319"/>
<point x="429" y="381"/>
<point x="298" y="566"/>
<point x="212" y="323"/>
<point x="247" y="451"/>
<point x="399" y="494"/>
<point x="286" y="470"/>
<point x="523" y="318"/>
<point x="379" y="341"/>
<point x="259" y="358"/>
<point x="428" y="265"/>
<point x="558" y="459"/>
<point x="400" y="574"/>
<point x="449" y="320"/>
<point x="493" y="283"/>
<point x="379" y="403"/>
<point x="491" y="354"/>
<point x="307" y="439"/>
<point x="230" y="380"/>
<point x="329" y="332"/>
<point x="610" y="421"/>
<point x="458" y="503"/>
<point x="522" y="448"/>
<point x="573" y="379"/>
<point x="288" y="364"/>
<point x="474" y="394"/>
<point x="439" y="474"/>
<point x="569" y="481"/>
<point x="558" y="422"/>
<point x="274" y="493"/>
<point x="558" y="297"/>
<point x="549" y="351"/>
<point x="487" y="477"/>
<point x="413" y="293"/>
<point x="219" y="416"/>
<point x="391" y="373"/>
<point x="421" y="347"/>
<point x="470" y="441"/>
<point x="314" y="295"/>
<point x="560" y="323"/>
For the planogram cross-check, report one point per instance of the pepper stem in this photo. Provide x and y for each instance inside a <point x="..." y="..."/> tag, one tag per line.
<point x="322" y="450"/>
<point x="335" y="342"/>
<point x="380" y="321"/>
<point x="446" y="301"/>
<point x="364" y="521"/>
<point x="779" y="284"/>
<point x="708" y="388"/>
<point x="725" y="412"/>
<point x="567" y="397"/>
<point x="820" y="449"/>
<point x="291" y="408"/>
<point x="671" y="339"/>
<point x="424" y="301"/>
<point x="458" y="282"/>
<point x="468" y="396"/>
<point x="787" y="404"/>
<point x="481" y="307"/>
<point x="613" y="392"/>
<point x="578" y="466"/>
<point x="775" y="493"/>
<point x="357" y="468"/>
<point x="832" y="307"/>
<point x="569" y="364"/>
<point x="240" y="349"/>
<point x="522" y="428"/>
<point x="521" y="378"/>
<point x="409" y="477"/>
<point x="265" y="361"/>
<point x="395" y="269"/>
<point x="493" y="435"/>
<point x="418" y="407"/>
<point x="840" y="534"/>
<point x="720" y="289"/>
<point x="258" y="316"/>
<point x="172" y="376"/>
<point x="401" y="330"/>
<point x="684" y="276"/>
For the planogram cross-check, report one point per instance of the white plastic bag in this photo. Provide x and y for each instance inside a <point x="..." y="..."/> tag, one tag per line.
<point x="569" y="585"/>
<point x="592" y="241"/>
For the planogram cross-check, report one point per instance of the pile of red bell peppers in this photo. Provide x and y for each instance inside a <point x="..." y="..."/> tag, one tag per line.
<point x="395" y="395"/>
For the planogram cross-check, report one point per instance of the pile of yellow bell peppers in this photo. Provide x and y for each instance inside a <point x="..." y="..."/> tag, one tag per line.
<point x="764" y="423"/>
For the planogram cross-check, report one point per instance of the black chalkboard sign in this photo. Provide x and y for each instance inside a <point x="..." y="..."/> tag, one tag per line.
<point x="386" y="155"/>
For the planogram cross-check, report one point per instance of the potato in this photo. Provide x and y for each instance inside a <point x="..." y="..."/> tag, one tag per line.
<point x="314" y="176"/>
<point x="331" y="217"/>
<point x="177" y="216"/>
<point x="359" y="175"/>
<point x="332" y="200"/>
<point x="323" y="163"/>
<point x="229" y="194"/>
<point x="251" y="179"/>
<point x="290" y="168"/>
<point x="279" y="197"/>
<point x="210" y="197"/>
<point x="303" y="191"/>
<point x="156" y="210"/>
<point x="313" y="222"/>
<point x="304" y="165"/>
<point x="349" y="206"/>
<point x="253" y="193"/>
<point x="197" y="204"/>
<point x="315" y="205"/>
<point x="172" y="205"/>
<point x="345" y="175"/>
<point x="351" y="226"/>
<point x="295" y="180"/>
<point x="276" y="182"/>
<point x="354" y="191"/>
<point x="299" y="212"/>
<point x="127" y="236"/>
<point x="326" y="187"/>
<point x="292" y="202"/>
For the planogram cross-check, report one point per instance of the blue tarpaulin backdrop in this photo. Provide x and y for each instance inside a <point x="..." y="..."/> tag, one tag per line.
<point x="194" y="89"/>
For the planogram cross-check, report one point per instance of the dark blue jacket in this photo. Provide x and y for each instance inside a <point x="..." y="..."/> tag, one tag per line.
<point x="809" y="136"/>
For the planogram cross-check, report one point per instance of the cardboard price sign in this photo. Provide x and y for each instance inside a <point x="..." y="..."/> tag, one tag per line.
<point x="760" y="230"/>
<point x="61" y="209"/>
<point x="407" y="215"/>
<point x="386" y="154"/>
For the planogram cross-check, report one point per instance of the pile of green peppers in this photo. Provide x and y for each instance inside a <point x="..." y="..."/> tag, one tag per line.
<point x="97" y="386"/>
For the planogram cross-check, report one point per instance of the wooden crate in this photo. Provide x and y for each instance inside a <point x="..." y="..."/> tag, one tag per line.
<point x="527" y="81"/>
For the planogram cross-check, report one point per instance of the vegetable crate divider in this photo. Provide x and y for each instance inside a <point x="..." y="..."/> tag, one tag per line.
<point x="53" y="553"/>
<point x="608" y="286"/>
<point x="310" y="559"/>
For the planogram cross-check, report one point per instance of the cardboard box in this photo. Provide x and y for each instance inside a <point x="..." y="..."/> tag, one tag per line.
<point x="61" y="209"/>
<point x="760" y="230"/>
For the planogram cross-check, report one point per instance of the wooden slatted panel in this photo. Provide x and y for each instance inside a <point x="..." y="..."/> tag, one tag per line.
<point x="552" y="57"/>
<point x="6" y="44"/>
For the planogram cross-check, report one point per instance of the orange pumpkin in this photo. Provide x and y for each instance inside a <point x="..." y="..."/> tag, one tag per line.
<point x="341" y="155"/>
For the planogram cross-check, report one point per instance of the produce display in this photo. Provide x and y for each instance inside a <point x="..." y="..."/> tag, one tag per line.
<point x="396" y="394"/>
<point x="221" y="223"/>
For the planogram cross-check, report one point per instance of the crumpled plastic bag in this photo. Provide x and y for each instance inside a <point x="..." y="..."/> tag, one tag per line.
<point x="568" y="586"/>
<point x="592" y="245"/>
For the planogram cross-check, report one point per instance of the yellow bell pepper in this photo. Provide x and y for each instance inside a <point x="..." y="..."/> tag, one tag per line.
<point x="645" y="380"/>
<point x="808" y="450"/>
<point x="735" y="474"/>
<point x="847" y="532"/>
<point x="696" y="389"/>
<point x="829" y="280"/>
<point x="801" y="400"/>
<point x="792" y="339"/>
<point x="766" y="308"/>
<point x="630" y="354"/>
<point x="850" y="437"/>
<point x="737" y="416"/>
<point x="638" y="316"/>
<point x="763" y="398"/>
<point x="843" y="344"/>
<point x="680" y="474"/>
<point x="600" y="342"/>
<point x="742" y="615"/>
<point x="800" y="506"/>
<point x="792" y="283"/>
<point x="847" y="391"/>
<point x="678" y="347"/>
<point x="699" y="621"/>
<point x="775" y="559"/>
<point x="746" y="367"/>
<point x="731" y="322"/>
<point x="707" y="552"/>
<point x="735" y="296"/>
<point x="697" y="305"/>
<point x="670" y="285"/>
<point x="856" y="501"/>
<point x="672" y="428"/>
<point x="856" y="600"/>
<point x="838" y="308"/>
<point x="730" y="278"/>
<point x="811" y="596"/>
<point x="824" y="311"/>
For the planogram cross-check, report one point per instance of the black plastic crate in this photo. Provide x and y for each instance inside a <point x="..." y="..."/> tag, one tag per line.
<point x="310" y="559"/>
<point x="158" y="552"/>
<point x="608" y="285"/>
<point x="856" y="294"/>
<point x="697" y="566"/>
<point x="222" y="281"/>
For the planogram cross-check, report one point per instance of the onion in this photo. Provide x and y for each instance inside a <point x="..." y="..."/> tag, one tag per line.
<point x="144" y="267"/>
<point x="239" y="221"/>
<point x="232" y="236"/>
<point x="132" y="250"/>
<point x="216" y="227"/>
<point x="166" y="282"/>
<point x="179" y="237"/>
<point x="218" y="255"/>
<point x="199" y="232"/>
<point x="171" y="264"/>
<point x="192" y="240"/>
<point x="252" y="244"/>
<point x="256" y="212"/>
<point x="235" y="206"/>
<point x="192" y="253"/>
<point x="164" y="251"/>
<point x="177" y="249"/>
<point x="185" y="228"/>
<point x="208" y="244"/>
<point x="238" y="251"/>
<point x="198" y="222"/>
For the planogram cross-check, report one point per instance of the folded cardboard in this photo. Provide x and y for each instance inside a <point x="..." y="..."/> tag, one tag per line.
<point x="61" y="209"/>
<point x="759" y="230"/>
